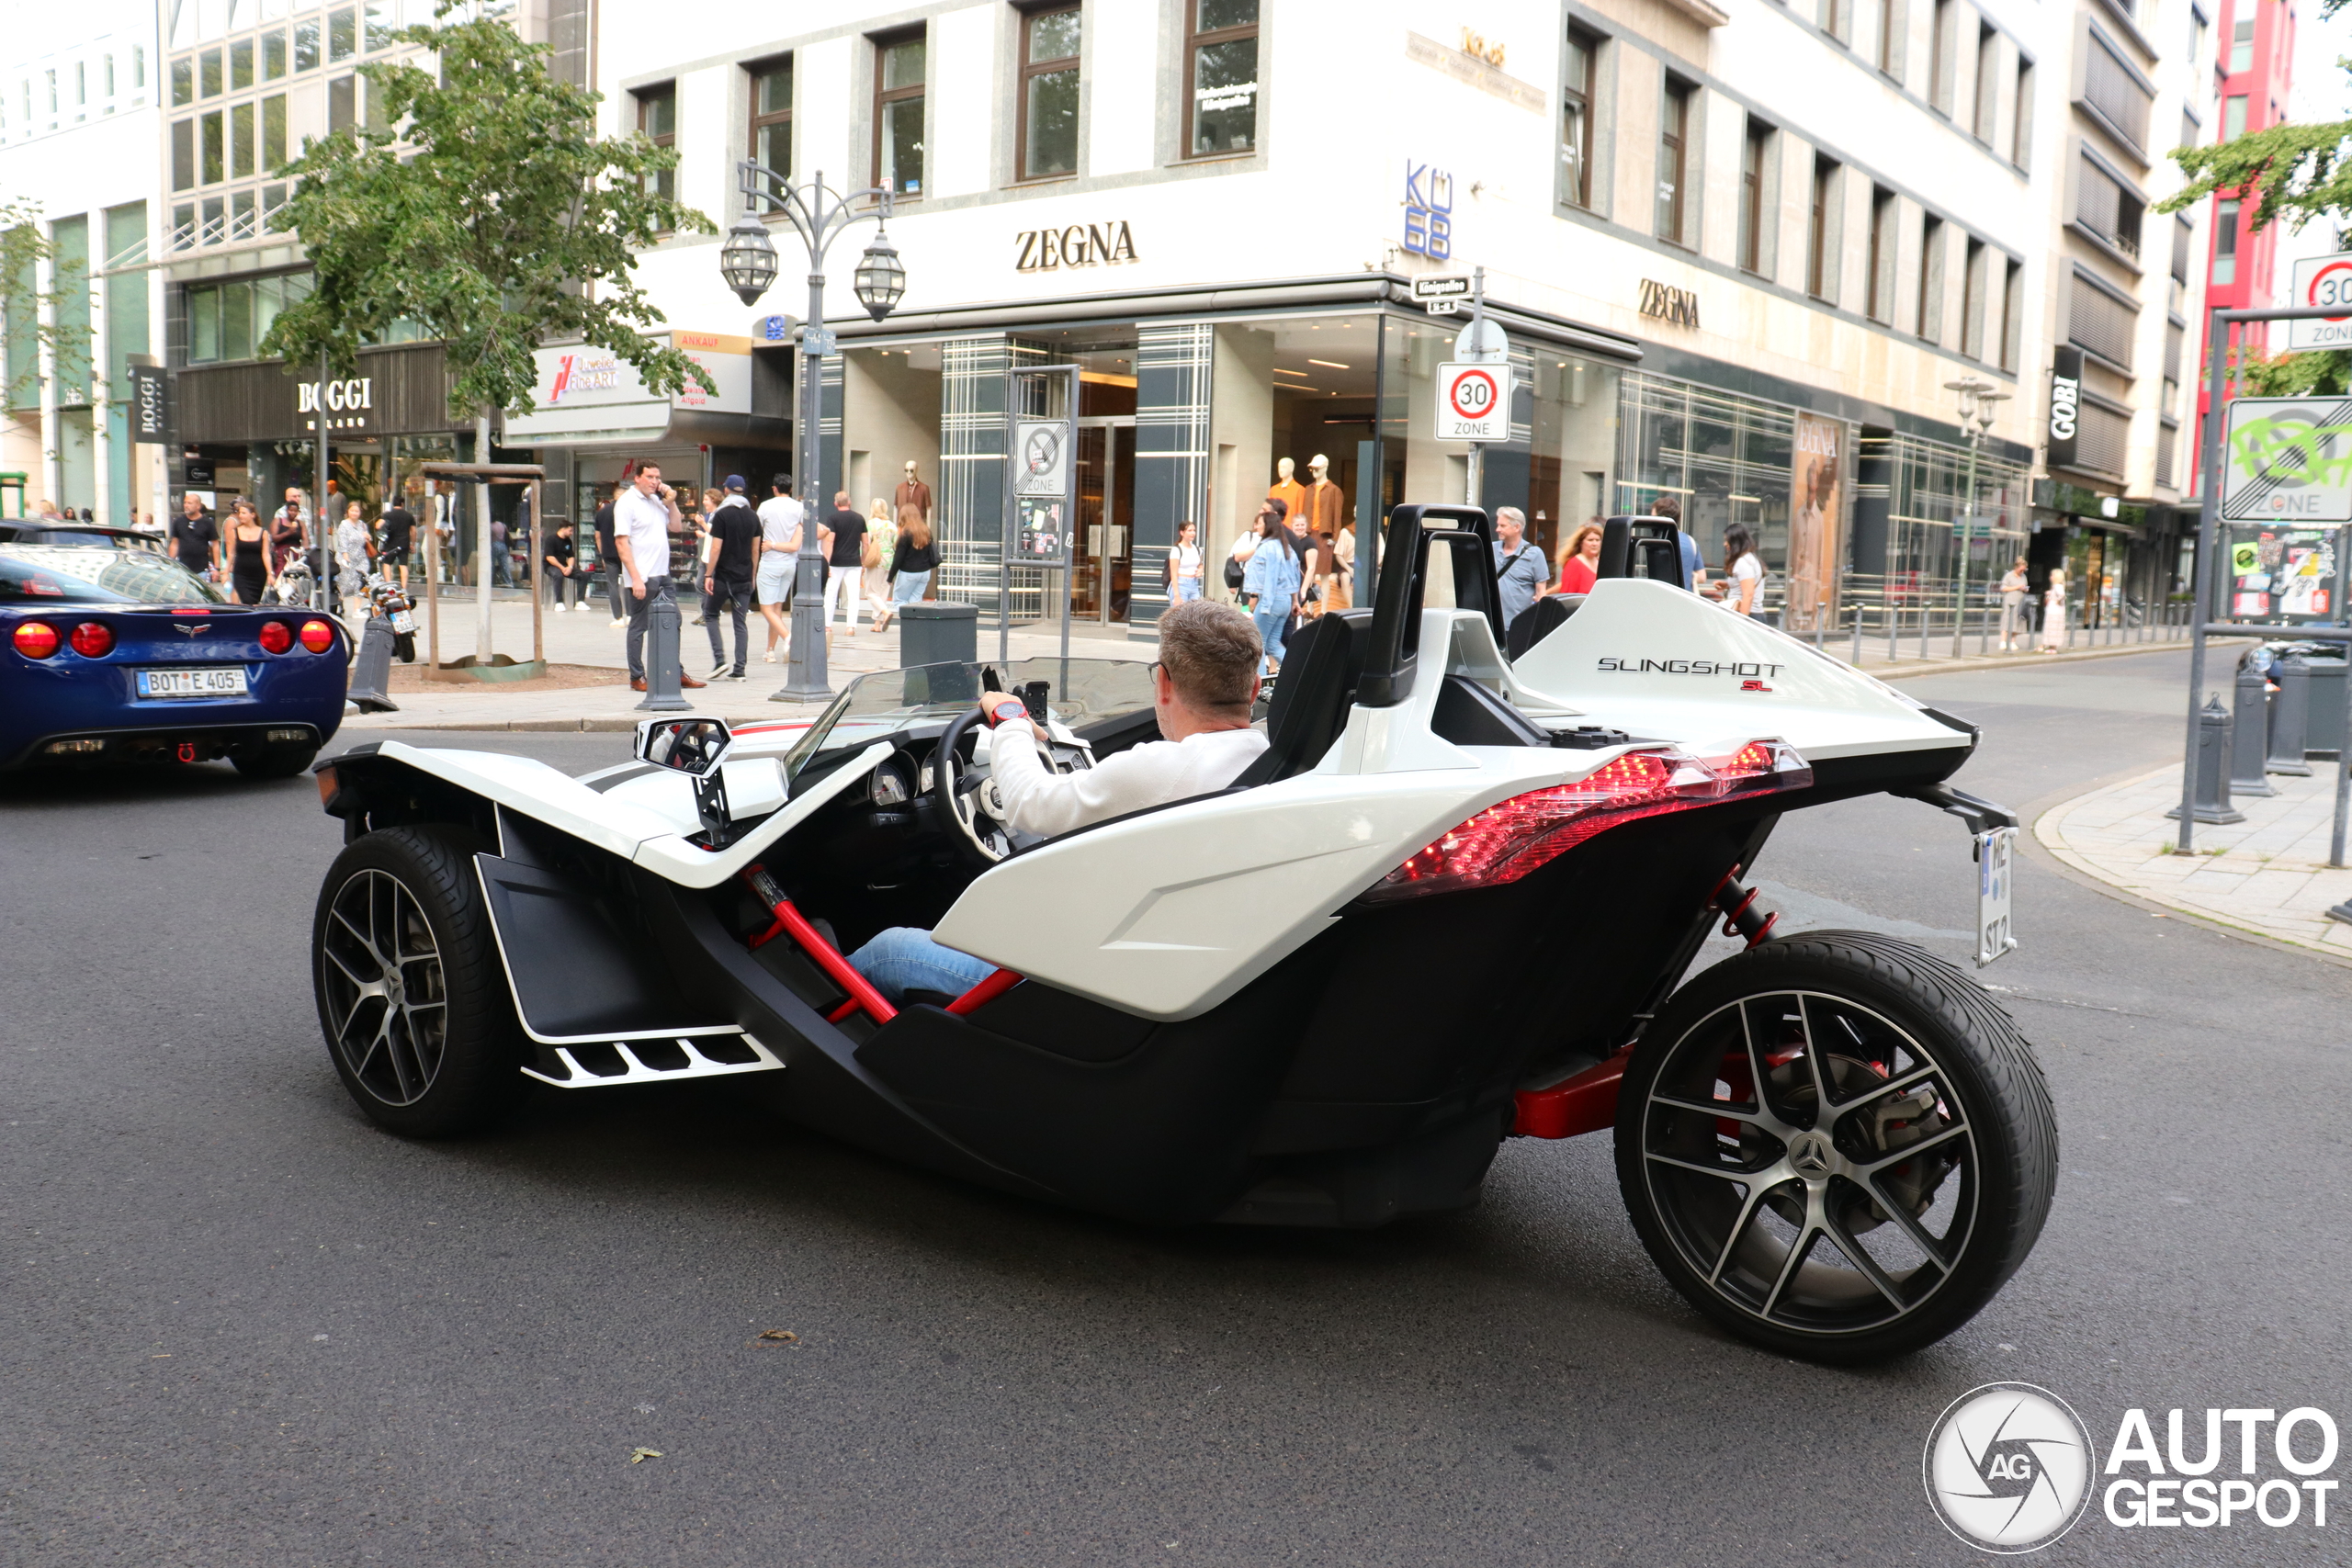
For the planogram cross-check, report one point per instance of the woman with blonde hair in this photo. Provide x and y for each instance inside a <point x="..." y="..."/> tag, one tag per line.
<point x="2053" y="613"/>
<point x="913" y="562"/>
<point x="874" y="561"/>
<point x="1580" y="560"/>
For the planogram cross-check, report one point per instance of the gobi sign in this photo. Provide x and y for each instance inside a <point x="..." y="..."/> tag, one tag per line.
<point x="2287" y="460"/>
<point x="1473" y="403"/>
<point x="2322" y="282"/>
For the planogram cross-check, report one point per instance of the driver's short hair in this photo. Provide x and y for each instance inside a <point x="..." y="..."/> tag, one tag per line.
<point x="1210" y="651"/>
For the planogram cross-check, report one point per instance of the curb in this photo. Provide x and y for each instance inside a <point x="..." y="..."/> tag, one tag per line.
<point x="590" y="726"/>
<point x="1905" y="672"/>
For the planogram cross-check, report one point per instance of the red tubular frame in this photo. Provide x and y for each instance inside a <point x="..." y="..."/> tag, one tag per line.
<point x="1585" y="1102"/>
<point x="985" y="992"/>
<point x="789" y="920"/>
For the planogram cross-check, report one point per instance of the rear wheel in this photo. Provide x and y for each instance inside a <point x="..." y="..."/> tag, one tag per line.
<point x="404" y="647"/>
<point x="411" y="993"/>
<point x="1836" y="1146"/>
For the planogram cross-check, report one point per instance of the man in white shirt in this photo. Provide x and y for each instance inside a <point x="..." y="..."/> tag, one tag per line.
<point x="1203" y="688"/>
<point x="641" y="520"/>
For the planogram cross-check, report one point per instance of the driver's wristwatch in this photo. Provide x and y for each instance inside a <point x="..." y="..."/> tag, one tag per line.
<point x="1011" y="708"/>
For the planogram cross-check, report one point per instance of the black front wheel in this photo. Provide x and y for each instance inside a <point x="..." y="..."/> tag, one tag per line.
<point x="1836" y="1146"/>
<point x="404" y="647"/>
<point x="411" y="992"/>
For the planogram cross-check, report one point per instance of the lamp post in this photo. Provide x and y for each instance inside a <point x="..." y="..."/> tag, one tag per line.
<point x="1977" y="412"/>
<point x="748" y="263"/>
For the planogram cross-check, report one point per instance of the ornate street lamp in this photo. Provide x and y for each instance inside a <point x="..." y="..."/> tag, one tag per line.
<point x="748" y="262"/>
<point x="1976" y="412"/>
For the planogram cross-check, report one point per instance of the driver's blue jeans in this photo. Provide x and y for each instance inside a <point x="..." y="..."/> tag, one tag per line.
<point x="904" y="959"/>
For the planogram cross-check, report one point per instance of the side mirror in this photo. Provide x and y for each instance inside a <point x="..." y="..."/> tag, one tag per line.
<point x="693" y="746"/>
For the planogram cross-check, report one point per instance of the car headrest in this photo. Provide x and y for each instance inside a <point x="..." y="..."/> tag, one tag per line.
<point x="1546" y="615"/>
<point x="1312" y="694"/>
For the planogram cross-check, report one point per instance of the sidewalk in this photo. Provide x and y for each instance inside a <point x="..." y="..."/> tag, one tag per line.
<point x="2267" y="874"/>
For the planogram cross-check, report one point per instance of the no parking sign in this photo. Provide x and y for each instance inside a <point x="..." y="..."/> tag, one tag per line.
<point x="1473" y="403"/>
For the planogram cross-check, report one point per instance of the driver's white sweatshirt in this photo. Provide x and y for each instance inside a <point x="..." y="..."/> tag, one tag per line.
<point x="1038" y="800"/>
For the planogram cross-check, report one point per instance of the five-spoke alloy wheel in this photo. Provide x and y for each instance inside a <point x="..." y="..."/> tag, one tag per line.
<point x="1836" y="1146"/>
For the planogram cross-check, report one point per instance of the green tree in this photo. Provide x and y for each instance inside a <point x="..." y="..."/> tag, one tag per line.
<point x="488" y="212"/>
<point x="25" y="244"/>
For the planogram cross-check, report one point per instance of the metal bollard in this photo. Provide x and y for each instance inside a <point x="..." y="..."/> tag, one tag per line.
<point x="2249" y="731"/>
<point x="2290" y="719"/>
<point x="1856" y="660"/>
<point x="662" y="674"/>
<point x="1985" y="632"/>
<point x="2213" y="802"/>
<point x="1893" y="633"/>
<point x="371" y="672"/>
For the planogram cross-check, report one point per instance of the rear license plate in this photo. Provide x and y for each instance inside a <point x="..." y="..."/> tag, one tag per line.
<point x="403" y="622"/>
<point x="214" y="681"/>
<point x="1995" y="863"/>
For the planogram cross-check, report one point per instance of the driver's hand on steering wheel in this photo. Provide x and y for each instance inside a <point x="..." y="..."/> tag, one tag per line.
<point x="993" y="704"/>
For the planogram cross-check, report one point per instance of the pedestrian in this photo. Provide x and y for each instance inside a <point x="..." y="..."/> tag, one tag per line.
<point x="1181" y="574"/>
<point x="873" y="579"/>
<point x="608" y="562"/>
<point x="251" y="575"/>
<point x="1343" y="552"/>
<point x="729" y="558"/>
<point x="2015" y="586"/>
<point x="1522" y="574"/>
<point x="400" y="534"/>
<point x="1744" y="569"/>
<point x="289" y="530"/>
<point x="1580" y="562"/>
<point x="354" y="551"/>
<point x="563" y="564"/>
<point x="642" y="519"/>
<point x="844" y="560"/>
<point x="196" y="539"/>
<point x="2053" y="611"/>
<point x="47" y="510"/>
<point x="500" y="575"/>
<point x="780" y="519"/>
<point x="1693" y="564"/>
<point x="1270" y="582"/>
<point x="913" y="561"/>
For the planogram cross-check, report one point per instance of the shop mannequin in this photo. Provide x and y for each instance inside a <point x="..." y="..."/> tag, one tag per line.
<point x="1287" y="490"/>
<point x="1325" y="507"/>
<point x="913" y="492"/>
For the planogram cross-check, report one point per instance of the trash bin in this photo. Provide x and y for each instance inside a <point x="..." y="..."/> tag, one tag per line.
<point x="2323" y="729"/>
<point x="938" y="633"/>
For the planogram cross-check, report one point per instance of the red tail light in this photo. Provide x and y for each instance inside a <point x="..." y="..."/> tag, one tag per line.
<point x="317" y="635"/>
<point x="36" y="639"/>
<point x="93" y="640"/>
<point x="276" y="637"/>
<point x="1508" y="841"/>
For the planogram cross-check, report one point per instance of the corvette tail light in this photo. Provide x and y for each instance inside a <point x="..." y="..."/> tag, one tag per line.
<point x="1508" y="840"/>
<point x="36" y="639"/>
<point x="317" y="635"/>
<point x="276" y="637"/>
<point x="93" y="640"/>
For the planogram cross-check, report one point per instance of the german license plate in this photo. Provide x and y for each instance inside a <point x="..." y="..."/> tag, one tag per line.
<point x="213" y="681"/>
<point x="1995" y="866"/>
<point x="403" y="621"/>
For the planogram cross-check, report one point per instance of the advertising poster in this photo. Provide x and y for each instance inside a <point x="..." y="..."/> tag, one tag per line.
<point x="1815" y="485"/>
<point x="1040" y="537"/>
<point x="2281" y="575"/>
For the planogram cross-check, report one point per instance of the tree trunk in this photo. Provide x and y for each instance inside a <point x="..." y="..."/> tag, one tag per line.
<point x="481" y="543"/>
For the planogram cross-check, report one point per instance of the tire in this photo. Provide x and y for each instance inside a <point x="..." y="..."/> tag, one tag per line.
<point x="279" y="764"/>
<point x="433" y="1068"/>
<point x="404" y="647"/>
<point x="1843" y="1248"/>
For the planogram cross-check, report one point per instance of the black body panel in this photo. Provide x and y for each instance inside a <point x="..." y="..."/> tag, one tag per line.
<point x="575" y="977"/>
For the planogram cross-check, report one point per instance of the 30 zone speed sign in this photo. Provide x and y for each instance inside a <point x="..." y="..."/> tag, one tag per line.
<point x="1473" y="403"/>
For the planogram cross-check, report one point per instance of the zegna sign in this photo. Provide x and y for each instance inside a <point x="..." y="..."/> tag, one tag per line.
<point x="347" y="403"/>
<point x="1076" y="244"/>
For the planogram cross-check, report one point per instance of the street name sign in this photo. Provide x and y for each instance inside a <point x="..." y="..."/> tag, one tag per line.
<point x="1441" y="296"/>
<point x="2322" y="281"/>
<point x="2287" y="460"/>
<point x="1473" y="402"/>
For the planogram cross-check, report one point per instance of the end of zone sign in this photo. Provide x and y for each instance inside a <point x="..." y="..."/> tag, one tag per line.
<point x="2322" y="281"/>
<point x="1473" y="403"/>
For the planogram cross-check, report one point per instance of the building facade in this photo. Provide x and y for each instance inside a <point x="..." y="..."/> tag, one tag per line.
<point x="2253" y="81"/>
<point x="77" y="148"/>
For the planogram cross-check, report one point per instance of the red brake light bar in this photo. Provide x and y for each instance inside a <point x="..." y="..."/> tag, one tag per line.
<point x="1512" y="838"/>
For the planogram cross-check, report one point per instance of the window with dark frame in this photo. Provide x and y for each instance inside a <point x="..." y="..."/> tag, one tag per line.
<point x="1752" y="164"/>
<point x="1988" y="82"/>
<point x="1931" y="280"/>
<point x="657" y="121"/>
<point x="1575" y="117"/>
<point x="1877" y="299"/>
<point x="1221" y="62"/>
<point x="1939" y="57"/>
<point x="771" y="137"/>
<point x="1972" y="300"/>
<point x="1820" y="272"/>
<point x="2225" y="242"/>
<point x="898" y="72"/>
<point x="1890" y="37"/>
<point x="2012" y="314"/>
<point x="1046" y="129"/>
<point x="2021" y="125"/>
<point x="1673" y="159"/>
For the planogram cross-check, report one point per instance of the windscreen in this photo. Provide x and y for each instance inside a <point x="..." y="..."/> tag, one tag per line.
<point x="51" y="574"/>
<point x="1078" y="692"/>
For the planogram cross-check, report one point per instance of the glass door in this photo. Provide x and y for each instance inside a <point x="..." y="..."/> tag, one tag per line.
<point x="1103" y="552"/>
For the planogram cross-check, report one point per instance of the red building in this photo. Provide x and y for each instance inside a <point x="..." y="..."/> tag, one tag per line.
<point x="2253" y="70"/>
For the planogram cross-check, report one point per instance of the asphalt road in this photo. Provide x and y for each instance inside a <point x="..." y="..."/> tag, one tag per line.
<point x="243" y="1326"/>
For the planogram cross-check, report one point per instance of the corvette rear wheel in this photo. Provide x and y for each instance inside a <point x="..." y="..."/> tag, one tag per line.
<point x="411" y="991"/>
<point x="1836" y="1146"/>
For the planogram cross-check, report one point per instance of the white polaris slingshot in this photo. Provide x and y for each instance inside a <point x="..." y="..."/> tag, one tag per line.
<point x="1301" y="1000"/>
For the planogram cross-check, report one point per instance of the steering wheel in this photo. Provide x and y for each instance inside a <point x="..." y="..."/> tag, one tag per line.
<point x="971" y="803"/>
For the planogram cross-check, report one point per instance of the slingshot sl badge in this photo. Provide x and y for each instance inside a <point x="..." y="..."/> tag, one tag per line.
<point x="2009" y="1467"/>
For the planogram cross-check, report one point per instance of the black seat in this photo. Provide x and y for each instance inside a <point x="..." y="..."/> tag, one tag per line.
<point x="1546" y="615"/>
<point x="1312" y="695"/>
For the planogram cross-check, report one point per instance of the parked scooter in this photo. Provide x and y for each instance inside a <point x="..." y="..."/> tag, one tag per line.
<point x="385" y="598"/>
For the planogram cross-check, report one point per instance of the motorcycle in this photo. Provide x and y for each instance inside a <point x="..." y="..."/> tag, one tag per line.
<point x="384" y="598"/>
<point x="1323" y="996"/>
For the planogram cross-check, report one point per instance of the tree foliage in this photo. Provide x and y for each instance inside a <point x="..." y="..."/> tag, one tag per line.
<point x="478" y="212"/>
<point x="2296" y="173"/>
<point x="25" y="244"/>
<point x="2316" y="373"/>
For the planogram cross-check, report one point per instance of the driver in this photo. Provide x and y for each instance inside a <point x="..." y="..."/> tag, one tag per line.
<point x="1202" y="687"/>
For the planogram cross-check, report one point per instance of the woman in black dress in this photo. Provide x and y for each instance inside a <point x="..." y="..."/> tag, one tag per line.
<point x="251" y="572"/>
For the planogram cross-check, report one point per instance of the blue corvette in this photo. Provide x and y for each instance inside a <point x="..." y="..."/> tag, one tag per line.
<point x="111" y="652"/>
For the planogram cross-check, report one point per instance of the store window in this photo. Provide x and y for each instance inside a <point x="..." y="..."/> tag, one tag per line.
<point x="771" y="140"/>
<point x="897" y="114"/>
<point x="1047" y="145"/>
<point x="1674" y="160"/>
<point x="1579" y="84"/>
<point x="1725" y="457"/>
<point x="657" y="121"/>
<point x="1221" y="55"/>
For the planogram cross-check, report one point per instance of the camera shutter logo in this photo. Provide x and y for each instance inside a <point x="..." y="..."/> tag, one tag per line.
<point x="2009" y="1467"/>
